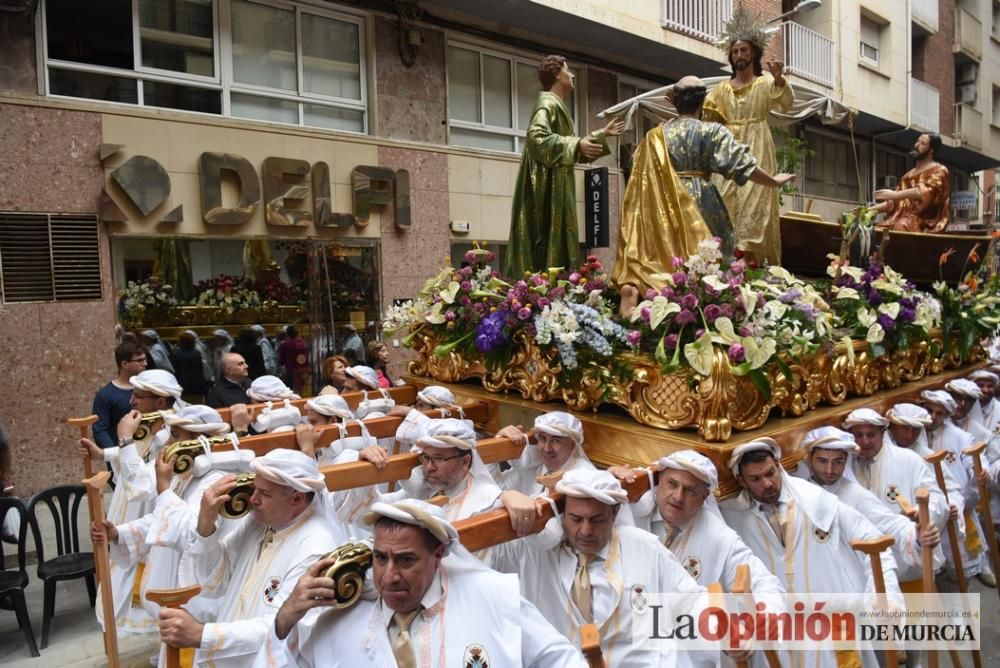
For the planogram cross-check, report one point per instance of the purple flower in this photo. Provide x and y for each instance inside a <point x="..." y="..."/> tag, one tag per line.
<point x="521" y="285"/>
<point x="684" y="317"/>
<point x="644" y="313"/>
<point x="908" y="315"/>
<point x="464" y="300"/>
<point x="670" y="342"/>
<point x="449" y="315"/>
<point x="543" y="302"/>
<point x="737" y="267"/>
<point x="650" y="293"/>
<point x="633" y="337"/>
<point x="490" y="333"/>
<point x="736" y="353"/>
<point x="874" y="297"/>
<point x="713" y="311"/>
<point x="746" y="330"/>
<point x="726" y="310"/>
<point x="698" y="333"/>
<point x="689" y="301"/>
<point x="574" y="278"/>
<point x="680" y="278"/>
<point x="490" y="256"/>
<point x="888" y="324"/>
<point x="524" y="313"/>
<point x="678" y="262"/>
<point x="469" y="257"/>
<point x="537" y="280"/>
<point x="790" y="295"/>
<point x="465" y="285"/>
<point x="465" y="272"/>
<point x="667" y="292"/>
<point x="734" y="281"/>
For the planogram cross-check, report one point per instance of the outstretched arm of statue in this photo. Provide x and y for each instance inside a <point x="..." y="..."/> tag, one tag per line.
<point x="763" y="178"/>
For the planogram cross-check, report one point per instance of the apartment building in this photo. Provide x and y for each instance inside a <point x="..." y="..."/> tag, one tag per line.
<point x="344" y="148"/>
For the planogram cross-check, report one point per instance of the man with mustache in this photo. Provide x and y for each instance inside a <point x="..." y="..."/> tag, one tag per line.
<point x="923" y="198"/>
<point x="742" y="104"/>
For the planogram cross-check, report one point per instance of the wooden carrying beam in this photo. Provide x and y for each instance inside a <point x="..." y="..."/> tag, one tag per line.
<point x="102" y="565"/>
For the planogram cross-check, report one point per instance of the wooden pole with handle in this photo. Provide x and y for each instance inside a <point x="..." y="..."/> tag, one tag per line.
<point x="927" y="553"/>
<point x="83" y="424"/>
<point x="173" y="598"/>
<point x="742" y="584"/>
<point x="95" y="486"/>
<point x="590" y="645"/>
<point x="874" y="548"/>
<point x="985" y="514"/>
<point x="956" y="554"/>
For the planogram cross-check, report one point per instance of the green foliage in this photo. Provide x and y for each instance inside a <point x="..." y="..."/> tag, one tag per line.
<point x="790" y="152"/>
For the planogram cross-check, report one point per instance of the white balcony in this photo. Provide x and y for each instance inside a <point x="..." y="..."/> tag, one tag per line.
<point x="969" y="126"/>
<point x="925" y="12"/>
<point x="702" y="19"/>
<point x="925" y="107"/>
<point x="968" y="35"/>
<point x="809" y="54"/>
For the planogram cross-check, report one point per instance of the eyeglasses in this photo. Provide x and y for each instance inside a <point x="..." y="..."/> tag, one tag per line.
<point x="437" y="461"/>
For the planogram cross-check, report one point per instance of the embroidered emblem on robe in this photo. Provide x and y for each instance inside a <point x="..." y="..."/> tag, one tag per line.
<point x="638" y="598"/>
<point x="891" y="492"/>
<point x="273" y="585"/>
<point x="476" y="657"/>
<point x="693" y="566"/>
<point x="821" y="536"/>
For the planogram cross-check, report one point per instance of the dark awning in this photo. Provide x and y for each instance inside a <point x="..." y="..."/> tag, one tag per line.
<point x="964" y="158"/>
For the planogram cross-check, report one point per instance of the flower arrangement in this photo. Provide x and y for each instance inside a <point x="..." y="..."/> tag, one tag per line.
<point x="878" y="305"/>
<point x="754" y="314"/>
<point x="970" y="310"/>
<point x="275" y="290"/>
<point x="139" y="296"/>
<point x="226" y="292"/>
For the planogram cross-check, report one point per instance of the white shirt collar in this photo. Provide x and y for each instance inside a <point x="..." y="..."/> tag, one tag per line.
<point x="430" y="599"/>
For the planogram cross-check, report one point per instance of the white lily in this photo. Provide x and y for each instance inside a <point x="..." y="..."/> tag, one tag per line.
<point x="758" y="352"/>
<point x="847" y="293"/>
<point x="887" y="286"/>
<point x="714" y="282"/>
<point x="782" y="273"/>
<point x="659" y="309"/>
<point x="725" y="331"/>
<point x="436" y="316"/>
<point x="700" y="354"/>
<point x="867" y="317"/>
<point x="891" y="309"/>
<point x="875" y="334"/>
<point x="749" y="299"/>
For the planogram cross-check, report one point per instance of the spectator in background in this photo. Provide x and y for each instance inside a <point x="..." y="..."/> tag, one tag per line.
<point x="189" y="368"/>
<point x="208" y="370"/>
<point x="111" y="403"/>
<point x="231" y="387"/>
<point x="378" y="353"/>
<point x="335" y="372"/>
<point x="353" y="348"/>
<point x="222" y="342"/>
<point x="246" y="346"/>
<point x="159" y="353"/>
<point x="266" y="350"/>
<point x="293" y="357"/>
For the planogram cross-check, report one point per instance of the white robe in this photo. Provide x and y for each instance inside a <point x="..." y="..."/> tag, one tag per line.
<point x="135" y="490"/>
<point x="988" y="416"/>
<point x="818" y="557"/>
<point x="253" y="588"/>
<point x="895" y="471"/>
<point x="470" y="496"/>
<point x="633" y="562"/>
<point x="463" y="609"/>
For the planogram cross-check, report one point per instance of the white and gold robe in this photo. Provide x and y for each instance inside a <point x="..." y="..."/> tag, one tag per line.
<point x="253" y="587"/>
<point x="632" y="563"/>
<point x="467" y="614"/>
<point x="522" y="474"/>
<point x="895" y="471"/>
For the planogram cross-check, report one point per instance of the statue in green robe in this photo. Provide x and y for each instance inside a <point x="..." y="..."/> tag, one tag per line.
<point x="543" y="228"/>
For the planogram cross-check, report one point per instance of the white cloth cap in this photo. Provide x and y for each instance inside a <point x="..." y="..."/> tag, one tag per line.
<point x="232" y="460"/>
<point x="865" y="416"/>
<point x="447" y="433"/>
<point x="291" y="468"/>
<point x="197" y="419"/>
<point x="436" y="396"/>
<point x="829" y="438"/>
<point x="159" y="382"/>
<point x="964" y="387"/>
<point x="332" y="405"/>
<point x="275" y="420"/>
<point x="223" y="334"/>
<point x="560" y="423"/>
<point x="418" y="513"/>
<point x="364" y="375"/>
<point x="983" y="374"/>
<point x="762" y="443"/>
<point x="941" y="398"/>
<point x="908" y="415"/>
<point x="270" y="388"/>
<point x="592" y="484"/>
<point x="258" y="328"/>
<point x="694" y="463"/>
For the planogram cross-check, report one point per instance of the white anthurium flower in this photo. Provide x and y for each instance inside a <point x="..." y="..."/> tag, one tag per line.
<point x="782" y="273"/>
<point x="715" y="283"/>
<point x="824" y="324"/>
<point x="887" y="286"/>
<point x="940" y="287"/>
<point x="448" y="294"/>
<point x="637" y="311"/>
<point x="700" y="354"/>
<point x="775" y="310"/>
<point x="854" y="272"/>
<point x="867" y="317"/>
<point x="892" y="275"/>
<point x="749" y="299"/>
<point x="725" y="332"/>
<point x="875" y="334"/>
<point x="660" y="309"/>
<point x="847" y="293"/>
<point x="758" y="352"/>
<point x="891" y="309"/>
<point x="436" y="316"/>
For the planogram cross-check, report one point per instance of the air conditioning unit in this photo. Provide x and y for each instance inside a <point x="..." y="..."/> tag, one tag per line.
<point x="885" y="183"/>
<point x="967" y="73"/>
<point x="966" y="94"/>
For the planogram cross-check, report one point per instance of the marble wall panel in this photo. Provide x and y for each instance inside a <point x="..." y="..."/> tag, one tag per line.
<point x="411" y="100"/>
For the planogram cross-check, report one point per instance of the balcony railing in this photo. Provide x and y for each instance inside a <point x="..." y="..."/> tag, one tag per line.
<point x="926" y="12"/>
<point x="702" y="19"/>
<point x="925" y="111"/>
<point x="969" y="126"/>
<point x="808" y="54"/>
<point x="968" y="34"/>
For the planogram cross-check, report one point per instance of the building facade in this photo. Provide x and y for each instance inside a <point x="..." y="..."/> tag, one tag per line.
<point x="346" y="149"/>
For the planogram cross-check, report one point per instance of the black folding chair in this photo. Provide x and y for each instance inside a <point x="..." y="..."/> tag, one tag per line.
<point x="70" y="563"/>
<point x="13" y="582"/>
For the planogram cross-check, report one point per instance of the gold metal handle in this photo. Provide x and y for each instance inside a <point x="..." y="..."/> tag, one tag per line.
<point x="238" y="504"/>
<point x="348" y="573"/>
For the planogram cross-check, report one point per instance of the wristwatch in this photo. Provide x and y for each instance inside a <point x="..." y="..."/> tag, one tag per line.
<point x="123" y="442"/>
